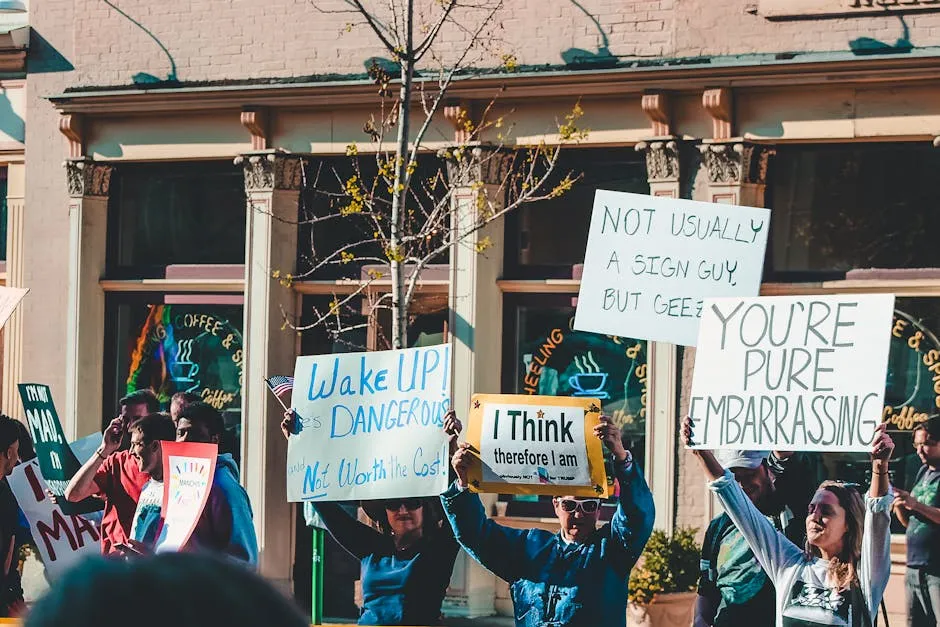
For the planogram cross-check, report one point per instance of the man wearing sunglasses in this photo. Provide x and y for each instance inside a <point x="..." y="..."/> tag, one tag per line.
<point x="577" y="576"/>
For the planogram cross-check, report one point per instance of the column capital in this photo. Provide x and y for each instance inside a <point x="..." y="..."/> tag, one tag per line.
<point x="662" y="160"/>
<point x="270" y="170"/>
<point x="87" y="177"/>
<point x="736" y="163"/>
<point x="481" y="163"/>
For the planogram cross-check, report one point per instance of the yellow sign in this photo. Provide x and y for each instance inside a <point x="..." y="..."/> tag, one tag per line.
<point x="536" y="445"/>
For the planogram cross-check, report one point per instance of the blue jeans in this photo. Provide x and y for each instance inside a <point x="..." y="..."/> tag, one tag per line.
<point x="923" y="598"/>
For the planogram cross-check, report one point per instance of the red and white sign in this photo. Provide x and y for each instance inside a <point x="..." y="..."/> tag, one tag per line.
<point x="188" y="470"/>
<point x="62" y="539"/>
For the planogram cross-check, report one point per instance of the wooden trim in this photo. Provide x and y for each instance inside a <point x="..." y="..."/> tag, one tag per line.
<point x="348" y="286"/>
<point x="173" y="285"/>
<point x="539" y="286"/>
<point x="904" y="287"/>
<point x="901" y="287"/>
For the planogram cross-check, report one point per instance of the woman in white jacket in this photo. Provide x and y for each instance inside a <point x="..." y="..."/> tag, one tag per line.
<point x="839" y="577"/>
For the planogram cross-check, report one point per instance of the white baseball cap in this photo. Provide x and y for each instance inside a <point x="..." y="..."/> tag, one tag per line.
<point x="730" y="458"/>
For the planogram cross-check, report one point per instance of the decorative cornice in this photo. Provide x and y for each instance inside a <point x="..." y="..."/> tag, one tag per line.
<point x="662" y="160"/>
<point x="658" y="108"/>
<point x="736" y="164"/>
<point x="272" y="170"/>
<point x="71" y="125"/>
<point x="87" y="178"/>
<point x="256" y="121"/>
<point x="485" y="164"/>
<point x="719" y="103"/>
<point x="813" y="70"/>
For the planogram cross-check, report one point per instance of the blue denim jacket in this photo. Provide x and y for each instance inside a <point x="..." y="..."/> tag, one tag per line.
<point x="553" y="582"/>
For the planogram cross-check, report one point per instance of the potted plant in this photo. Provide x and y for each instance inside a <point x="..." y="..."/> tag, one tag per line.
<point x="662" y="585"/>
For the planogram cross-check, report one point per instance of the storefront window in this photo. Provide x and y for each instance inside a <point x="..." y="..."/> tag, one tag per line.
<point x="548" y="357"/>
<point x="545" y="239"/>
<point x="172" y="348"/>
<point x="840" y="207"/>
<point x="175" y="213"/>
<point x="912" y="394"/>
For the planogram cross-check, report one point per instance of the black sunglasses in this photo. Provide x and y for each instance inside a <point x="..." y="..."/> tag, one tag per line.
<point x="588" y="506"/>
<point x="393" y="505"/>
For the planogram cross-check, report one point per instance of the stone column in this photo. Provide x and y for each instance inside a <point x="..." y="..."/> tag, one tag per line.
<point x="272" y="186"/>
<point x="737" y="172"/>
<point x="13" y="330"/>
<point x="664" y="170"/>
<point x="476" y="319"/>
<point x="89" y="184"/>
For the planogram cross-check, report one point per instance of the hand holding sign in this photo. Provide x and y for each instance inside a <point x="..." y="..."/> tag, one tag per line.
<point x="461" y="461"/>
<point x="609" y="434"/>
<point x="882" y="445"/>
<point x="452" y="427"/>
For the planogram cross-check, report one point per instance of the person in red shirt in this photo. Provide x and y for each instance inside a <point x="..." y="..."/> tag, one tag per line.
<point x="113" y="475"/>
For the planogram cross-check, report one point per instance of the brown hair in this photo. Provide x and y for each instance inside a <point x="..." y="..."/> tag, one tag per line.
<point x="843" y="567"/>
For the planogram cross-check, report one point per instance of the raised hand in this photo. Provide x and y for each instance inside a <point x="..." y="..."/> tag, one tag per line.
<point x="287" y="424"/>
<point x="112" y="436"/>
<point x="452" y="427"/>
<point x="609" y="434"/>
<point x="713" y="469"/>
<point x="461" y="463"/>
<point x="882" y="445"/>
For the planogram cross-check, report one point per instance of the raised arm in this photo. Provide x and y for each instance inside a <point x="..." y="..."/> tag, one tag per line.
<point x="499" y="549"/>
<point x="358" y="539"/>
<point x="875" y="562"/>
<point x="632" y="523"/>
<point x="773" y="550"/>
<point x="83" y="484"/>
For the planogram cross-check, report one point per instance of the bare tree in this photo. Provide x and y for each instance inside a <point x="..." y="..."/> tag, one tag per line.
<point x="399" y="195"/>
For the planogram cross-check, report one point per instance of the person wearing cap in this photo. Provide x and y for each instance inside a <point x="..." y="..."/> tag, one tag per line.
<point x="407" y="563"/>
<point x="577" y="576"/>
<point x="732" y="586"/>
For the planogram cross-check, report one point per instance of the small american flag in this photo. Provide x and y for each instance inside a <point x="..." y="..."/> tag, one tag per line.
<point x="280" y="384"/>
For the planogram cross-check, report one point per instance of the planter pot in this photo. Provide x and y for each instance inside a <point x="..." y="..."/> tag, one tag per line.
<point x="666" y="610"/>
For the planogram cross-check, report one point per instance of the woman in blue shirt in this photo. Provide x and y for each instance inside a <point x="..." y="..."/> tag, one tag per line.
<point x="406" y="563"/>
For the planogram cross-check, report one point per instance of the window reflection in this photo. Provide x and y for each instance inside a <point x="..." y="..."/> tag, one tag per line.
<point x="172" y="348"/>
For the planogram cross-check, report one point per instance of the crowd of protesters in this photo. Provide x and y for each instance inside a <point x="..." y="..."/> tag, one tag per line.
<point x="788" y="550"/>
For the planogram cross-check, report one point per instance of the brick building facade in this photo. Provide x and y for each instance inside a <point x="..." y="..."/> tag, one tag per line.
<point x="752" y="102"/>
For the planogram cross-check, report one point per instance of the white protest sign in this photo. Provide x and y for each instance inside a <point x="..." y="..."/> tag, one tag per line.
<point x="803" y="373"/>
<point x="62" y="539"/>
<point x="536" y="445"/>
<point x="188" y="470"/>
<point x="650" y="261"/>
<point x="10" y="298"/>
<point x="370" y="425"/>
